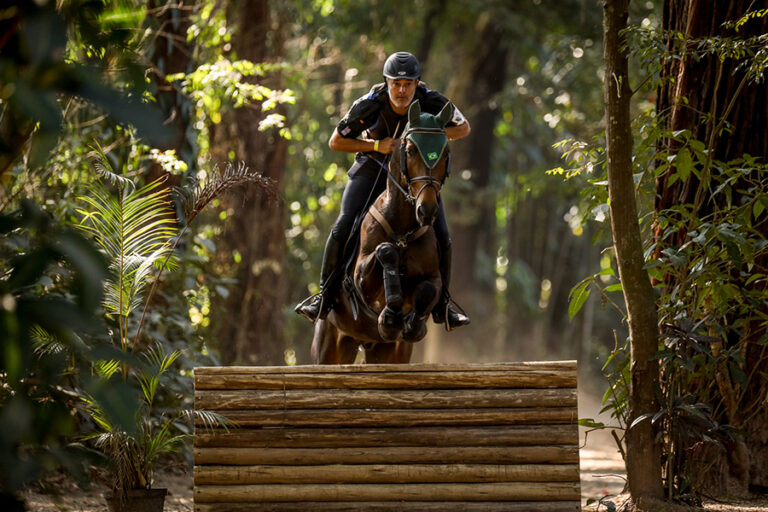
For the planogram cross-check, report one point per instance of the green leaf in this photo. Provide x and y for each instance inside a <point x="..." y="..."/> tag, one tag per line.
<point x="683" y="164"/>
<point x="590" y="423"/>
<point x="757" y="209"/>
<point x="578" y="296"/>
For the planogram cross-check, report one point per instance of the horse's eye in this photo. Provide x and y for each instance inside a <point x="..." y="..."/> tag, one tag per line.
<point x="411" y="150"/>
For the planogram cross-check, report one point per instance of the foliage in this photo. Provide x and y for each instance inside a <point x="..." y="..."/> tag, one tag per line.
<point x="706" y="258"/>
<point x="36" y="71"/>
<point x="49" y="289"/>
<point x="134" y="229"/>
<point x="137" y="233"/>
<point x="134" y="454"/>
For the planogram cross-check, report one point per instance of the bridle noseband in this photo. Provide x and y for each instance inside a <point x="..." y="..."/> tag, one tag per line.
<point x="429" y="180"/>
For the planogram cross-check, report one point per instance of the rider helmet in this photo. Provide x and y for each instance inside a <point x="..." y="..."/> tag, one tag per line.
<point x="402" y="65"/>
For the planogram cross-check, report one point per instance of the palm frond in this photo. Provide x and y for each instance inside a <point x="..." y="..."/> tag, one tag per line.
<point x="100" y="163"/>
<point x="197" y="194"/>
<point x="45" y="343"/>
<point x="107" y="369"/>
<point x="134" y="228"/>
<point x="210" y="420"/>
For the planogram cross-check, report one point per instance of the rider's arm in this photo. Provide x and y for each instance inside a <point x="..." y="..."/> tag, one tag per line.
<point x="458" y="132"/>
<point x="339" y="143"/>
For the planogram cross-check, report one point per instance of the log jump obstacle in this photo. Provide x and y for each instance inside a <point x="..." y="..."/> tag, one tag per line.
<point x="416" y="437"/>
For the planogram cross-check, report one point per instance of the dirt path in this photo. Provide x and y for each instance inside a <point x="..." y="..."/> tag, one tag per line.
<point x="602" y="476"/>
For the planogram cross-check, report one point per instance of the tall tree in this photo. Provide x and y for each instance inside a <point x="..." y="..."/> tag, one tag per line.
<point x="253" y="331"/>
<point x="643" y="452"/>
<point x="723" y="104"/>
<point x="472" y="216"/>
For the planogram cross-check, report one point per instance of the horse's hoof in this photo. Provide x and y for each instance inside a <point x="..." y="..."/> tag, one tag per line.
<point x="390" y="324"/>
<point x="415" y="333"/>
<point x="415" y="329"/>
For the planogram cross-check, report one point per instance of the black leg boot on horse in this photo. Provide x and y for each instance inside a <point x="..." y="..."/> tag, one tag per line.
<point x="444" y="312"/>
<point x="319" y="304"/>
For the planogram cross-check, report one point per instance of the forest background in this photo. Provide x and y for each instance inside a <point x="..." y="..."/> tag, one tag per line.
<point x="180" y="90"/>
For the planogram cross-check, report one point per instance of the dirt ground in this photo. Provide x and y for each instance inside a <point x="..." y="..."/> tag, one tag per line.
<point x="602" y="476"/>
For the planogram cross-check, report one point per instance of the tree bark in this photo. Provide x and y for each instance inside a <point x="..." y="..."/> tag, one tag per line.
<point x="252" y="332"/>
<point x="704" y="93"/>
<point x="643" y="453"/>
<point x="473" y="220"/>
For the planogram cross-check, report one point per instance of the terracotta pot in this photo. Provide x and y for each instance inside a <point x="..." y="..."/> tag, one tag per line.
<point x="138" y="500"/>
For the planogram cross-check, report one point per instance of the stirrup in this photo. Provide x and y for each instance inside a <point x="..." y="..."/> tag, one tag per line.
<point x="462" y="318"/>
<point x="313" y="301"/>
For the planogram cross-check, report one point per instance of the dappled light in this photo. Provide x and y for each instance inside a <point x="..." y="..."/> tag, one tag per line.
<point x="451" y="182"/>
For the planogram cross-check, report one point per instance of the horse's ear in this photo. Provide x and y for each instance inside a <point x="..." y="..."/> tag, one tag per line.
<point x="446" y="113"/>
<point x="414" y="113"/>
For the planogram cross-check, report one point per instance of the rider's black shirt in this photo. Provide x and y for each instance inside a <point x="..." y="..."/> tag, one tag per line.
<point x="372" y="116"/>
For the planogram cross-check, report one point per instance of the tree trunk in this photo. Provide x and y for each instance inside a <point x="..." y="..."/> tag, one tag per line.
<point x="253" y="330"/>
<point x="171" y="53"/>
<point x="473" y="219"/>
<point x="643" y="453"/>
<point x="705" y="93"/>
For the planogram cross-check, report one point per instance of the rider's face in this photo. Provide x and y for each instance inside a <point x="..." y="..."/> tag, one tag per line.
<point x="401" y="92"/>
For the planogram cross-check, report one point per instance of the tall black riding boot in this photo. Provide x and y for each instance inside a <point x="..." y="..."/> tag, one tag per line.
<point x="319" y="304"/>
<point x="443" y="310"/>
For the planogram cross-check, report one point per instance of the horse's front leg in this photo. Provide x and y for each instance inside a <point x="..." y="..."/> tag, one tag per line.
<point x="391" y="317"/>
<point x="330" y="347"/>
<point x="424" y="299"/>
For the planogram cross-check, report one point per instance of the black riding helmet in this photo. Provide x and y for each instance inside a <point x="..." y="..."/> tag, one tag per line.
<point x="402" y="65"/>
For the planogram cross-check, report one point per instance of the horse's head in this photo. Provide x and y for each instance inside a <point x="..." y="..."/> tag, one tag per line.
<point x="423" y="159"/>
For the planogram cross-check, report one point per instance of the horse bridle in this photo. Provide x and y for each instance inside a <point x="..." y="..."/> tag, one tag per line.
<point x="429" y="180"/>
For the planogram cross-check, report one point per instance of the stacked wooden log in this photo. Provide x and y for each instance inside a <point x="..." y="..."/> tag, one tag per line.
<point x="420" y="437"/>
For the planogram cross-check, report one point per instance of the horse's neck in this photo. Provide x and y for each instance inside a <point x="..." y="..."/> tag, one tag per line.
<point x="399" y="212"/>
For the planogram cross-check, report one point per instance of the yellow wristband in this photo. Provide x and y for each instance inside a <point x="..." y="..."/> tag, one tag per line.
<point x="376" y="145"/>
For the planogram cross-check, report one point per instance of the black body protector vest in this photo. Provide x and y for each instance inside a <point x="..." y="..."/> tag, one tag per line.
<point x="372" y="116"/>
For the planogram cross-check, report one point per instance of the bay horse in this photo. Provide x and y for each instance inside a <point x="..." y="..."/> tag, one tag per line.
<point x="385" y="302"/>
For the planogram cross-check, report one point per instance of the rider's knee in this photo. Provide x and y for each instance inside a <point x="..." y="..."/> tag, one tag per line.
<point x="342" y="228"/>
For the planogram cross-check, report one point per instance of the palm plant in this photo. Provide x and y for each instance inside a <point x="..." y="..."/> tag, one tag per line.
<point x="134" y="228"/>
<point x="137" y="231"/>
<point x="135" y="454"/>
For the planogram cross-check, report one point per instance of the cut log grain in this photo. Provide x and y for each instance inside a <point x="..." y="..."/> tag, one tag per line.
<point x="385" y="473"/>
<point x="558" y="366"/>
<point x="223" y="400"/>
<point x="394" y="380"/>
<point x="390" y="455"/>
<point x="396" y="438"/>
<point x="510" y="491"/>
<point x="397" y="506"/>
<point x="509" y="435"/>
<point x="400" y="417"/>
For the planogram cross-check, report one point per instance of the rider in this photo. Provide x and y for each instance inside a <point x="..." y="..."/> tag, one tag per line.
<point x="369" y="129"/>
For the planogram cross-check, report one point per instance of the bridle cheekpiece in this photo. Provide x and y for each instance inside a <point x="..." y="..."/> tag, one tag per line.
<point x="431" y="143"/>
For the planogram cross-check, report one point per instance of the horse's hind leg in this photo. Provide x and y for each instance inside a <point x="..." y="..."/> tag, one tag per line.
<point x="389" y="353"/>
<point x="391" y="317"/>
<point x="424" y="297"/>
<point x="329" y="347"/>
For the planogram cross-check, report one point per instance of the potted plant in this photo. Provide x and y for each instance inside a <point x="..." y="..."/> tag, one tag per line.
<point x="134" y="454"/>
<point x="137" y="230"/>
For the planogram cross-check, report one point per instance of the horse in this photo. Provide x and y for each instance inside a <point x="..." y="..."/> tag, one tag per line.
<point x="385" y="301"/>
